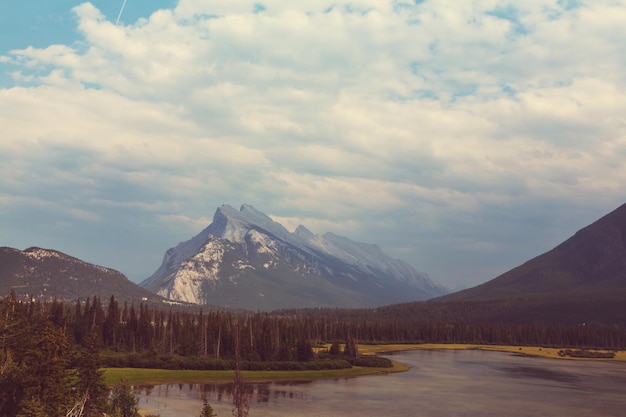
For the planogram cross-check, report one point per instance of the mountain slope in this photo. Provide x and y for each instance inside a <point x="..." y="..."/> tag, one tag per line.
<point x="47" y="274"/>
<point x="593" y="260"/>
<point x="244" y="259"/>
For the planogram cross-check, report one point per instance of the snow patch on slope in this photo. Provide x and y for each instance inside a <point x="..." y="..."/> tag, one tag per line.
<point x="41" y="255"/>
<point x="263" y="243"/>
<point x="186" y="284"/>
<point x="188" y="268"/>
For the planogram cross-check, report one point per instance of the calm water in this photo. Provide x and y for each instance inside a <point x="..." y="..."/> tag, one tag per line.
<point x="440" y="383"/>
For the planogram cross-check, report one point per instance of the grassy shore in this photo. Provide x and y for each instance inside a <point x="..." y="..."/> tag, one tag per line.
<point x="542" y="352"/>
<point x="161" y="376"/>
<point x="140" y="376"/>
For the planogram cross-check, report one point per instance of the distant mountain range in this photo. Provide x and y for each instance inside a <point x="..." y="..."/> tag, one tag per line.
<point x="45" y="274"/>
<point x="244" y="259"/>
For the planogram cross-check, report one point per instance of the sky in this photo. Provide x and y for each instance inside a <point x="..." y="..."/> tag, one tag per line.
<point x="463" y="137"/>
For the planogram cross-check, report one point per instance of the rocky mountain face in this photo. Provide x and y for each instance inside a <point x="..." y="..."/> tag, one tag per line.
<point x="592" y="263"/>
<point x="46" y="274"/>
<point x="244" y="259"/>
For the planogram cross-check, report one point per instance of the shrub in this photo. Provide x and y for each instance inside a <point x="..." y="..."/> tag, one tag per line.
<point x="371" y="361"/>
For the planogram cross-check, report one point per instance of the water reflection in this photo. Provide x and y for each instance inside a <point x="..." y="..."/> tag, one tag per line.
<point x="257" y="392"/>
<point x="541" y="373"/>
<point x="440" y="383"/>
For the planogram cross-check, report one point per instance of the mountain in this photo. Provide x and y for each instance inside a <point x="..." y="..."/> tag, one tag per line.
<point x="48" y="274"/>
<point x="244" y="259"/>
<point x="590" y="265"/>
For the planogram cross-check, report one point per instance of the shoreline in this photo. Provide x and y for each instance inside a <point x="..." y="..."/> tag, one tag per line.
<point x="531" y="351"/>
<point x="142" y="376"/>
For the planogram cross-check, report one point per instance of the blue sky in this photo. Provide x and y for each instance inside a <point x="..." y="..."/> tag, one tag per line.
<point x="41" y="23"/>
<point x="462" y="137"/>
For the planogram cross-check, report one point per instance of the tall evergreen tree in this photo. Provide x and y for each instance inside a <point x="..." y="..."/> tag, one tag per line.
<point x="46" y="371"/>
<point x="123" y="401"/>
<point x="111" y="324"/>
<point x="90" y="382"/>
<point x="11" y="386"/>
<point x="32" y="407"/>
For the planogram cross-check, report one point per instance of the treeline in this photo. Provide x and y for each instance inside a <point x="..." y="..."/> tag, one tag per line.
<point x="290" y="336"/>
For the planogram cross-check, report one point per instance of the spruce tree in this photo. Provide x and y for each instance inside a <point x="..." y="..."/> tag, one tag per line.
<point x="351" y="349"/>
<point x="11" y="386"/>
<point x="46" y="371"/>
<point x="207" y="410"/>
<point x="90" y="381"/>
<point x="123" y="402"/>
<point x="32" y="407"/>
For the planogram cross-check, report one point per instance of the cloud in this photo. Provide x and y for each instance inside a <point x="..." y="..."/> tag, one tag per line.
<point x="431" y="128"/>
<point x="84" y="215"/>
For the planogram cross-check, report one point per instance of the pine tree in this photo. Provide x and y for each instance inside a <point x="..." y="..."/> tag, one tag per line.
<point x="304" y="350"/>
<point x="111" y="324"/>
<point x="207" y="410"/>
<point x="335" y="349"/>
<point x="32" y="407"/>
<point x="11" y="387"/>
<point x="12" y="325"/>
<point x="46" y="371"/>
<point x="90" y="382"/>
<point x="351" y="349"/>
<point x="123" y="402"/>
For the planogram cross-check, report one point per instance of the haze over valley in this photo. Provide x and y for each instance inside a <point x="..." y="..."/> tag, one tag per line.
<point x="245" y="260"/>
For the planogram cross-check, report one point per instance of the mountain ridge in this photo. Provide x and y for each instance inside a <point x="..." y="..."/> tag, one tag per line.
<point x="246" y="248"/>
<point x="47" y="274"/>
<point x="593" y="259"/>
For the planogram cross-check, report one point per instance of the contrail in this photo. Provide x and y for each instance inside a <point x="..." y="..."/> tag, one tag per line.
<point x="120" y="14"/>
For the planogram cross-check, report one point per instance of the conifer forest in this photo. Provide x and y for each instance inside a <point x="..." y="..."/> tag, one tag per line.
<point x="52" y="353"/>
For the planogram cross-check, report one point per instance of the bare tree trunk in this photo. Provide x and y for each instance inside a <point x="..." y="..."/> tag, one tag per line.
<point x="219" y="342"/>
<point x="171" y="339"/>
<point x="205" y="339"/>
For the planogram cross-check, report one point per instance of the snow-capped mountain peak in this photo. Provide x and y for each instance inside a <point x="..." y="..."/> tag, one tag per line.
<point x="233" y="225"/>
<point x="260" y="256"/>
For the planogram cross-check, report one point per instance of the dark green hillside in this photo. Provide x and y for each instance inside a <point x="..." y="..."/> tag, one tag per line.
<point x="592" y="261"/>
<point x="571" y="308"/>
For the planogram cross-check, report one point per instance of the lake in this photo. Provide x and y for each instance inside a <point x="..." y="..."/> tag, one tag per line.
<point x="440" y="383"/>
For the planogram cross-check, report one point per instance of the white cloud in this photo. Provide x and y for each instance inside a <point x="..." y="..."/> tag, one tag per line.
<point x="351" y="115"/>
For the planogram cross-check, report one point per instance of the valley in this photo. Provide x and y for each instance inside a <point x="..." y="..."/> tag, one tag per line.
<point x="198" y="319"/>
